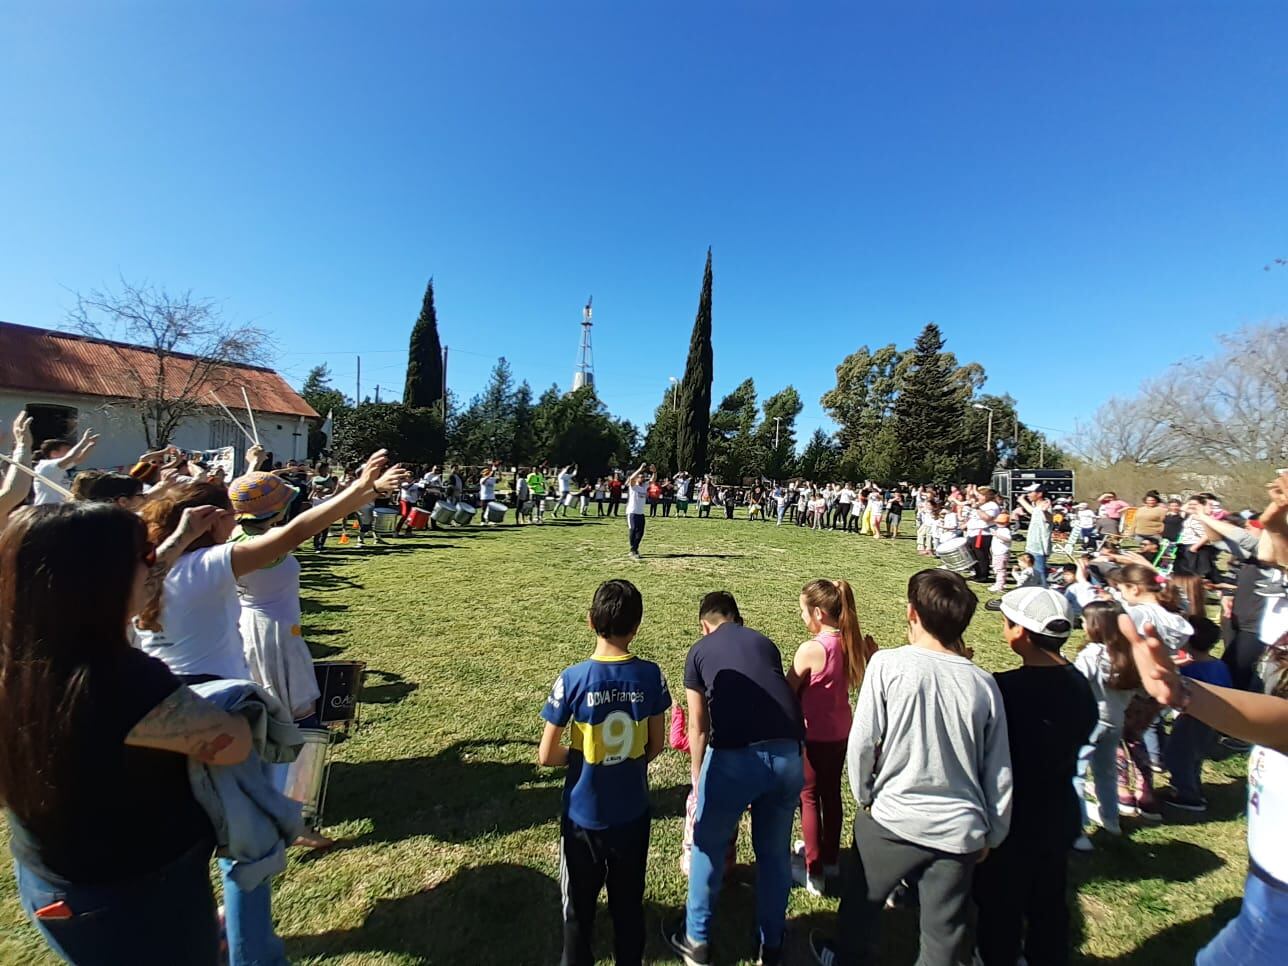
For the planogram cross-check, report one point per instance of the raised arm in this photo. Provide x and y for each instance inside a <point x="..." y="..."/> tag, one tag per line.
<point x="634" y="478"/>
<point x="278" y="542"/>
<point x="16" y="484"/>
<point x="78" y="452"/>
<point x="189" y="725"/>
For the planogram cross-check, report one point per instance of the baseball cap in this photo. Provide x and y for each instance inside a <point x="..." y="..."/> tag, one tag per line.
<point x="1036" y="609"/>
<point x="1034" y="488"/>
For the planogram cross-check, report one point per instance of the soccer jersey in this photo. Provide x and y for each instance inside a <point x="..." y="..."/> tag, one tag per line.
<point x="608" y="701"/>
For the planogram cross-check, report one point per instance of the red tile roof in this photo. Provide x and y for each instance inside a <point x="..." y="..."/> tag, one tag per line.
<point x="41" y="360"/>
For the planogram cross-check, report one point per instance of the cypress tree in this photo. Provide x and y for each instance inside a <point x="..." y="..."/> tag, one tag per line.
<point x="695" y="391"/>
<point x="424" y="357"/>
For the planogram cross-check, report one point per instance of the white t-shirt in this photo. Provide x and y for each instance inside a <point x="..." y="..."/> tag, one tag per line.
<point x="1274" y="623"/>
<point x="636" y="499"/>
<point x="200" y="617"/>
<point x="1268" y="811"/>
<point x="1173" y="629"/>
<point x="409" y="492"/>
<point x="976" y="523"/>
<point x="49" y="470"/>
<point x="565" y="483"/>
<point x="487" y="489"/>
<point x="1001" y="542"/>
<point x="1087" y="519"/>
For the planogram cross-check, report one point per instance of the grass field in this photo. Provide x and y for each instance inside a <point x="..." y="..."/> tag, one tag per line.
<point x="449" y="828"/>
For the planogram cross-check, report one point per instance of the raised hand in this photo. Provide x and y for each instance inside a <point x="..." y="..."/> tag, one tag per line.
<point x="392" y="479"/>
<point x="22" y="431"/>
<point x="373" y="468"/>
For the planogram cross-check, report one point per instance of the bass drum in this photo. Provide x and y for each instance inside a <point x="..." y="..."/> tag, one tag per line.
<point x="306" y="776"/>
<point x="495" y="512"/>
<point x="444" y="511"/>
<point x="464" y="515"/>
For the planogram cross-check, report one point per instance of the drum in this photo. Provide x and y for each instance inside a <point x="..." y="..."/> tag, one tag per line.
<point x="955" y="555"/>
<point x="495" y="512"/>
<point x="464" y="514"/>
<point x="417" y="519"/>
<point x="306" y="776"/>
<point x="341" y="685"/>
<point x="384" y="519"/>
<point x="444" y="512"/>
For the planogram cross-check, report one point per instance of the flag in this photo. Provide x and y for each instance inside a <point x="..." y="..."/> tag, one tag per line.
<point x="326" y="425"/>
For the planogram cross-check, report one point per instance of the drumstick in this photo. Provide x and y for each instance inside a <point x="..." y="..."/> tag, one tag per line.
<point x="250" y="415"/>
<point x="36" y="476"/>
<point x="232" y="417"/>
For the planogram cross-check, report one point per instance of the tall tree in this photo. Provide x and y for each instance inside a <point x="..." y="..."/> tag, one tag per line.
<point x="735" y="451"/>
<point x="928" y="413"/>
<point x="821" y="460"/>
<point x="695" y="390"/>
<point x="523" y="446"/>
<point x="867" y="383"/>
<point x="777" y="433"/>
<point x="424" y="385"/>
<point x="485" y="430"/>
<point x="318" y="392"/>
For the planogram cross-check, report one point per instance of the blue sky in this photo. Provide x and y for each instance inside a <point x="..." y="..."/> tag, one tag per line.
<point x="1078" y="196"/>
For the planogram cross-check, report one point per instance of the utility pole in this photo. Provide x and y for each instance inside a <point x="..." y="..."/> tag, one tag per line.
<point x="1041" y="452"/>
<point x="357" y="389"/>
<point x="988" y="446"/>
<point x="377" y="392"/>
<point x="777" y="425"/>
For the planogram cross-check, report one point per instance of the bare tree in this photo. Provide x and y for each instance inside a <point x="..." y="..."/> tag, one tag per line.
<point x="188" y="350"/>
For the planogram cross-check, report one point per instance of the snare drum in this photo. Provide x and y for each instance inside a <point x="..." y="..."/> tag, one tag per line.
<point x="417" y="519"/>
<point x="306" y="776"/>
<point x="444" y="512"/>
<point x="495" y="512"/>
<point x="464" y="514"/>
<point x="340" y="684"/>
<point x="955" y="555"/>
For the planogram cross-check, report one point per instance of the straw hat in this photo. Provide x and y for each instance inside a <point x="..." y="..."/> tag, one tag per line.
<point x="258" y="496"/>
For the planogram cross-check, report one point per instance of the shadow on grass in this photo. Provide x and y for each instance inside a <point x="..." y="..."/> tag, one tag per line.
<point x="694" y="556"/>
<point x="1175" y="944"/>
<point x="1122" y="860"/>
<point x="389" y="688"/>
<point x="498" y="913"/>
<point x="467" y="790"/>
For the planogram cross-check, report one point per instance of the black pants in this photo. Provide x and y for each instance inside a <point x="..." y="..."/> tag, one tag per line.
<point x="1022" y="883"/>
<point x="1241" y="656"/>
<point x="1199" y="563"/>
<point x="636" y="522"/>
<point x="728" y="511"/>
<point x="842" y="515"/>
<point x="652" y="508"/>
<point x="613" y="503"/>
<point x="979" y="549"/>
<point x="589" y="859"/>
<point x="704" y="510"/>
<point x="666" y="507"/>
<point x="883" y="859"/>
<point x="852" y="524"/>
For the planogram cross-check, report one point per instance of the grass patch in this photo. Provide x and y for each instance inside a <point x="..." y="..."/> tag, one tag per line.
<point x="450" y="828"/>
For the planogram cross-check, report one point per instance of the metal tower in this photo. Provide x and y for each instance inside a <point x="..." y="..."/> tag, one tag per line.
<point x="585" y="372"/>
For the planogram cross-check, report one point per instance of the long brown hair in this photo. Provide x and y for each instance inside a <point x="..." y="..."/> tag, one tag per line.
<point x="1100" y="621"/>
<point x="67" y="576"/>
<point x="1191" y="594"/>
<point x="835" y="599"/>
<point x="162" y="518"/>
<point x="1150" y="581"/>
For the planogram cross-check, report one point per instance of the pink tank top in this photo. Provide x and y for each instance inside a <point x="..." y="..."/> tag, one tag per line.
<point x="825" y="698"/>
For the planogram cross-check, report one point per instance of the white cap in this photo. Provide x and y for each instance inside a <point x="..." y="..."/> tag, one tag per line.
<point x="1037" y="609"/>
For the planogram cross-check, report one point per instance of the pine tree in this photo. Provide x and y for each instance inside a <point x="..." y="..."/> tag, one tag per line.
<point x="695" y="390"/>
<point x="524" y="441"/>
<point x="424" y="357"/>
<point x="929" y="410"/>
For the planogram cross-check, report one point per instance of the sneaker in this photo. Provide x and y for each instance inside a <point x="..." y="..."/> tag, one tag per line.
<point x="634" y="555"/>
<point x="824" y="950"/>
<point x="1083" y="844"/>
<point x="898" y="896"/>
<point x="1148" y="813"/>
<point x="1185" y="804"/>
<point x="1234" y="744"/>
<point x="770" y="956"/>
<point x="690" y="953"/>
<point x="1128" y="807"/>
<point x="815" y="885"/>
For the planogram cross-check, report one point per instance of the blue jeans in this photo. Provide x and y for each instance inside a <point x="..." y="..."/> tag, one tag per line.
<point x="162" y="918"/>
<point x="1040" y="568"/>
<point x="768" y="777"/>
<point x="248" y="923"/>
<point x="1102" y="756"/>
<point x="635" y="521"/>
<point x="1183" y="755"/>
<point x="1258" y="934"/>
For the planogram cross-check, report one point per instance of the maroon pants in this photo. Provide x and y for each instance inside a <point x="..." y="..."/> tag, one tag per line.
<point x="821" y="816"/>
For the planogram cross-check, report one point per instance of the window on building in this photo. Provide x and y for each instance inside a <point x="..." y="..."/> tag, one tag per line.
<point x="49" y="421"/>
<point x="224" y="432"/>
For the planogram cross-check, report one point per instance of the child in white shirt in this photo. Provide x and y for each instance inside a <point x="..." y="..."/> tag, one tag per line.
<point x="1024" y="573"/>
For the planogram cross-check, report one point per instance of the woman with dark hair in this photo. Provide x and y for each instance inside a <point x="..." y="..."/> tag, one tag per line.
<point x="111" y="850"/>
<point x="99" y="487"/>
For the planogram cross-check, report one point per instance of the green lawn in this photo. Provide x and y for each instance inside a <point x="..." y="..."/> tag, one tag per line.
<point x="450" y="829"/>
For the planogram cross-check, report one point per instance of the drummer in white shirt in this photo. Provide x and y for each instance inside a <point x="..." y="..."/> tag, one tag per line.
<point x="487" y="489"/>
<point x="565" y="478"/>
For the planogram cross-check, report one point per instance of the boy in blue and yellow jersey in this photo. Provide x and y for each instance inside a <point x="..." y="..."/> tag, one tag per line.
<point x="615" y="703"/>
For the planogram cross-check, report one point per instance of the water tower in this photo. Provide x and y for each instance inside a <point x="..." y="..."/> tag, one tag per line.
<point x="585" y="372"/>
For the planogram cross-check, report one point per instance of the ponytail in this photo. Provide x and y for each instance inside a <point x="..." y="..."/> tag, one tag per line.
<point x="1148" y="580"/>
<point x="835" y="598"/>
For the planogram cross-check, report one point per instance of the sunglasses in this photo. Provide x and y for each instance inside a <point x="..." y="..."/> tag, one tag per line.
<point x="149" y="556"/>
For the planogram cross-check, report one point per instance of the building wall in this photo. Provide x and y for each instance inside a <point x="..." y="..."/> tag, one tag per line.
<point x="122" y="438"/>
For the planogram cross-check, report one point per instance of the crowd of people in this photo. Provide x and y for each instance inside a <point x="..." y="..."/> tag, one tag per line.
<point x="178" y="677"/>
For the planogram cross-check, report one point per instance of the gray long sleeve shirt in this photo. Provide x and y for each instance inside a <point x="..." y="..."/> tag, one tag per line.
<point x="929" y="751"/>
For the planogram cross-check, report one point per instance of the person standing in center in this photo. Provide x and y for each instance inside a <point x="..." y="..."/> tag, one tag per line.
<point x="745" y="734"/>
<point x="636" y="498"/>
<point x="537" y="487"/>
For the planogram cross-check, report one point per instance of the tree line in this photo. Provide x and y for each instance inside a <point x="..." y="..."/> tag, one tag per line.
<point x="915" y="413"/>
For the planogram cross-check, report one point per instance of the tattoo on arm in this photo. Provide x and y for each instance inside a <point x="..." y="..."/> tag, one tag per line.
<point x="184" y="723"/>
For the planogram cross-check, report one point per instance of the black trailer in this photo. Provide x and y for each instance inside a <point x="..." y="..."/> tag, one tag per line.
<point x="1011" y="483"/>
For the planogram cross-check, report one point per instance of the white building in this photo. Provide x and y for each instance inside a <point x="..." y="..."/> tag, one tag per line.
<point x="70" y="383"/>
